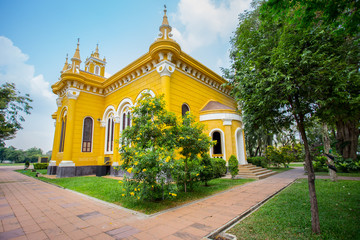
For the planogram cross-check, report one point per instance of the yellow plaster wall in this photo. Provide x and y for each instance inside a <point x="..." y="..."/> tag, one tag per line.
<point x="133" y="89"/>
<point x="87" y="105"/>
<point x="184" y="89"/>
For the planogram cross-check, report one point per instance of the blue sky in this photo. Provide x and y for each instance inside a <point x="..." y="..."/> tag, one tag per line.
<point x="35" y="37"/>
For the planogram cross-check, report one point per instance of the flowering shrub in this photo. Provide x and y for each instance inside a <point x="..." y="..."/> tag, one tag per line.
<point x="148" y="149"/>
<point x="158" y="148"/>
<point x="192" y="143"/>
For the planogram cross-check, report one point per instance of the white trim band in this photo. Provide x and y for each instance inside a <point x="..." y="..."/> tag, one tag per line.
<point x="67" y="164"/>
<point x="220" y="116"/>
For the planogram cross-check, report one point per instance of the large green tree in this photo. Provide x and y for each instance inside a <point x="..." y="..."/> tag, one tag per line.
<point x="12" y="104"/>
<point x="290" y="65"/>
<point x="337" y="26"/>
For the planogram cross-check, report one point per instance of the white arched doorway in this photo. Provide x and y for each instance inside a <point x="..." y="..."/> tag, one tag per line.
<point x="240" y="146"/>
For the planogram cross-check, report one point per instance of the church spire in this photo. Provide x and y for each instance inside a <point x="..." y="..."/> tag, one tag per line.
<point x="77" y="51"/>
<point x="96" y="53"/>
<point x="66" y="64"/>
<point x="75" y="60"/>
<point x="165" y="19"/>
<point x="165" y="28"/>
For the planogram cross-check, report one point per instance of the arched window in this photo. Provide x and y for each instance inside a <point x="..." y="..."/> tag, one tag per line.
<point x="109" y="133"/>
<point x="126" y="118"/>
<point x="63" y="130"/>
<point x="97" y="70"/>
<point x="217" y="148"/>
<point x="87" y="134"/>
<point x="184" y="109"/>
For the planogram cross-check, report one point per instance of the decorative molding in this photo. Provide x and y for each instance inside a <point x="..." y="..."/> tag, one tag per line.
<point x="68" y="163"/>
<point x="103" y="123"/>
<point x="227" y="122"/>
<point x="52" y="163"/>
<point x="59" y="101"/>
<point x="72" y="93"/>
<point x="220" y="116"/>
<point x="165" y="68"/>
<point x="117" y="119"/>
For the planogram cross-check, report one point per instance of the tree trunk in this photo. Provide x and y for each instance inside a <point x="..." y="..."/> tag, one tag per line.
<point x="347" y="135"/>
<point x="326" y="144"/>
<point x="257" y="150"/>
<point x="315" y="222"/>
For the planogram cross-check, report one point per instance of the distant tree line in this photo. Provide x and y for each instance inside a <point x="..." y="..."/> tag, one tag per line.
<point x="21" y="156"/>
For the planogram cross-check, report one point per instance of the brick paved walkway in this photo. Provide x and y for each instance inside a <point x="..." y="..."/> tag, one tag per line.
<point x="31" y="209"/>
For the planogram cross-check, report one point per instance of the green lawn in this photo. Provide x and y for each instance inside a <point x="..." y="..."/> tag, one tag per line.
<point x="12" y="164"/>
<point x="110" y="190"/>
<point x="355" y="174"/>
<point x="296" y="164"/>
<point x="287" y="215"/>
<point x="280" y="170"/>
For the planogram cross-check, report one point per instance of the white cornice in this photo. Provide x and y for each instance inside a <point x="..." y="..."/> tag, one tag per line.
<point x="226" y="117"/>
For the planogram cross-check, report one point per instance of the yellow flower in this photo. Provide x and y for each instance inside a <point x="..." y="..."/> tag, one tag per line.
<point x="123" y="195"/>
<point x="135" y="189"/>
<point x="138" y="197"/>
<point x="138" y="138"/>
<point x="144" y="170"/>
<point x="129" y="170"/>
<point x="136" y="163"/>
<point x="174" y="194"/>
<point x="181" y="138"/>
<point x="120" y="181"/>
<point x="199" y="139"/>
<point x="132" y="193"/>
<point x="168" y="159"/>
<point x="197" y="174"/>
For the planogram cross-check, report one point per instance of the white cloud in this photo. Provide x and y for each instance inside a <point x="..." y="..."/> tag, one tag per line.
<point x="13" y="68"/>
<point x="206" y="21"/>
<point x="38" y="126"/>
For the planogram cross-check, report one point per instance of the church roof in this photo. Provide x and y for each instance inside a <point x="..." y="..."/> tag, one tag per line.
<point x="214" y="105"/>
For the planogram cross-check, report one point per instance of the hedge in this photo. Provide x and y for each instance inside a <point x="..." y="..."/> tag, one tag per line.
<point x="41" y="165"/>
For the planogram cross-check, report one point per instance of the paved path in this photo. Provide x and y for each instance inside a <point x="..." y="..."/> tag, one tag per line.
<point x="31" y="209"/>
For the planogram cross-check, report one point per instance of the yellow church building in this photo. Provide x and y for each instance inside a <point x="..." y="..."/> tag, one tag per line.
<point x="93" y="110"/>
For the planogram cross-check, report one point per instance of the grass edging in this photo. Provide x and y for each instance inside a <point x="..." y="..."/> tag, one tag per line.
<point x="243" y="215"/>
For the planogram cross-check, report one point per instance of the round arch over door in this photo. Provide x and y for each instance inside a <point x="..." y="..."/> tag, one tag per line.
<point x="240" y="146"/>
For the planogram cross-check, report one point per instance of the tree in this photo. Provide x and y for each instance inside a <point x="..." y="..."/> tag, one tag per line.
<point x="336" y="26"/>
<point x="33" y="154"/>
<point x="11" y="105"/>
<point x="283" y="64"/>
